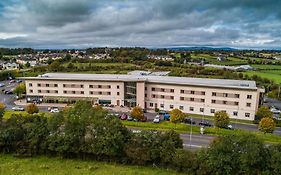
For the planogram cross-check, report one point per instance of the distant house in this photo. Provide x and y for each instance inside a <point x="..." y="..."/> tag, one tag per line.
<point x="10" y="66"/>
<point x="23" y="61"/>
<point x="221" y="58"/>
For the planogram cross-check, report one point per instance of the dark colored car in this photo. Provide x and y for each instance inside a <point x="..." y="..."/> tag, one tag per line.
<point x="205" y="123"/>
<point x="189" y="121"/>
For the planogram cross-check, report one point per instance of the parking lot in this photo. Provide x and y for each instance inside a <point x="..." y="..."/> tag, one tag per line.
<point x="7" y="99"/>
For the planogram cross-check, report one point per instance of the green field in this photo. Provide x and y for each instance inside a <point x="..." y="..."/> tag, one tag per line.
<point x="270" y="74"/>
<point x="10" y="165"/>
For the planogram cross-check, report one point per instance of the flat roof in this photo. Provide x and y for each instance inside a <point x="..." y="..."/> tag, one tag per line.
<point x="240" y="84"/>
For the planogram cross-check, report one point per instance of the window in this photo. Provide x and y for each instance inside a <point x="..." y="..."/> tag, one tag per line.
<point x="237" y="95"/>
<point x="55" y="85"/>
<point x="162" y="105"/>
<point x="162" y="90"/>
<point x="214" y="94"/>
<point x="201" y="109"/>
<point x="81" y="86"/>
<point x="47" y="85"/>
<point x="172" y="90"/>
<point x="236" y="103"/>
<point x="182" y="91"/>
<point x="249" y="96"/>
<point x="39" y="91"/>
<point x="224" y="102"/>
<point x="47" y="91"/>
<point x="202" y="93"/>
<point x="65" y="92"/>
<point x="99" y="86"/>
<point x="91" y="92"/>
<point x="213" y="101"/>
<point x="192" y="92"/>
<point x="39" y="85"/>
<point x="191" y="108"/>
<point x="225" y="94"/>
<point x="108" y="86"/>
<point x="181" y="107"/>
<point x="73" y="92"/>
<point x="152" y="89"/>
<point x="145" y="88"/>
<point x="108" y="93"/>
<point x="56" y="92"/>
<point x="153" y="96"/>
<point x="213" y="111"/>
<point x="162" y="96"/>
<point x="247" y="114"/>
<point x="145" y="95"/>
<point x="30" y="84"/>
<point x="202" y="100"/>
<point x="118" y="87"/>
<point x="91" y="86"/>
<point x="31" y="91"/>
<point x="248" y="104"/>
<point x="191" y="99"/>
<point x="64" y="85"/>
<point x="81" y="92"/>
<point x="100" y="93"/>
<point x="235" y="113"/>
<point x="182" y="98"/>
<point x="172" y="97"/>
<point x="118" y="93"/>
<point x="171" y="106"/>
<point x="151" y="104"/>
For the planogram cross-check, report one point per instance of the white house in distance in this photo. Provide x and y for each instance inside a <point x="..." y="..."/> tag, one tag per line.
<point x="10" y="66"/>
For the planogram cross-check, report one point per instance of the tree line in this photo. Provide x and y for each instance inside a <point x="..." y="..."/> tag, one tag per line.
<point x="87" y="132"/>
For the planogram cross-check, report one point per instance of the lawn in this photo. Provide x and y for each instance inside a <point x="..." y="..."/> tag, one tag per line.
<point x="10" y="165"/>
<point x="272" y="75"/>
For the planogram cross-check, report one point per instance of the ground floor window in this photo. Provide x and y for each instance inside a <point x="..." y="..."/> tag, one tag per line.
<point x="171" y="106"/>
<point x="201" y="109"/>
<point x="191" y="108"/>
<point x="235" y="113"/>
<point x="213" y="111"/>
<point x="247" y="114"/>
<point x="151" y="104"/>
<point x="181" y="107"/>
<point x="162" y="105"/>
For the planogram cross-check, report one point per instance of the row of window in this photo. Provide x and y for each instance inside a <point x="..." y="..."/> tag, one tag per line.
<point x="229" y="95"/>
<point x="74" y="85"/>
<point x="73" y="92"/>
<point x="235" y="113"/>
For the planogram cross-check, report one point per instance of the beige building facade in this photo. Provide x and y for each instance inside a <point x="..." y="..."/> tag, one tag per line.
<point x="240" y="99"/>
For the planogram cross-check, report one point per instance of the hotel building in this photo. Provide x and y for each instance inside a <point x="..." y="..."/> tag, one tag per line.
<point x="240" y="99"/>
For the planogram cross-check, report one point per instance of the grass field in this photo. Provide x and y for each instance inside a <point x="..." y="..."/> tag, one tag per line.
<point x="10" y="165"/>
<point x="270" y="74"/>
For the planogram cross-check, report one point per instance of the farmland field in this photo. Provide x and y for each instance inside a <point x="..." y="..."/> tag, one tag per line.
<point x="270" y="74"/>
<point x="10" y="165"/>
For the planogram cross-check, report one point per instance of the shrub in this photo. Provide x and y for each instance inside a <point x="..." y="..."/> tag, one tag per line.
<point x="267" y="125"/>
<point x="176" y="116"/>
<point x="221" y="119"/>
<point x="2" y="110"/>
<point x="32" y="108"/>
<point x="262" y="112"/>
<point x="137" y="113"/>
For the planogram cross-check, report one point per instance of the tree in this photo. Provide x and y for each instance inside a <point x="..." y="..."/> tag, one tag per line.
<point x="137" y="113"/>
<point x="2" y="110"/>
<point x="55" y="66"/>
<point x="262" y="112"/>
<point x="221" y="119"/>
<point x="267" y="125"/>
<point x="236" y="154"/>
<point x="32" y="108"/>
<point x="20" y="89"/>
<point x="176" y="116"/>
<point x="27" y="65"/>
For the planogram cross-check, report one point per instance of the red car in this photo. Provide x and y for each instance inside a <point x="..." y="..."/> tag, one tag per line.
<point x="124" y="117"/>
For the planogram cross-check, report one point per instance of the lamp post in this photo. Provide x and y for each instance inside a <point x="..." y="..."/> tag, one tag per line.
<point x="190" y="135"/>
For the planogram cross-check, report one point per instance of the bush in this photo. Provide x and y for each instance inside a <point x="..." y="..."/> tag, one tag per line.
<point x="221" y="119"/>
<point x="137" y="113"/>
<point x="262" y="112"/>
<point x="32" y="108"/>
<point x="176" y="116"/>
<point x="267" y="125"/>
<point x="2" y="110"/>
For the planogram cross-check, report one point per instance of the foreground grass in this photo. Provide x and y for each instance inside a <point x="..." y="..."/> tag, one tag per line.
<point x="10" y="165"/>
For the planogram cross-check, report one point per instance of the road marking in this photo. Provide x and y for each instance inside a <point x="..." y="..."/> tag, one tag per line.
<point x="190" y="145"/>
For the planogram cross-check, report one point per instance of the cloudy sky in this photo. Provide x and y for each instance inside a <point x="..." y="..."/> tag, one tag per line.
<point x="151" y="23"/>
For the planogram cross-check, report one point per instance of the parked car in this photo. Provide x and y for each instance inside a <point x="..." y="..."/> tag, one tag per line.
<point x="18" y="81"/>
<point x="165" y="115"/>
<point x="189" y="121"/>
<point x="55" y="110"/>
<point x="18" y="108"/>
<point x="230" y="127"/>
<point x="205" y="123"/>
<point x="2" y="85"/>
<point x="129" y="118"/>
<point x="124" y="117"/>
<point x="8" y="92"/>
<point x="156" y="119"/>
<point x="12" y="81"/>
